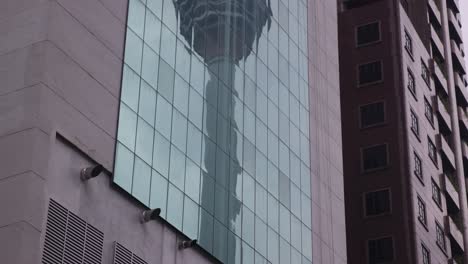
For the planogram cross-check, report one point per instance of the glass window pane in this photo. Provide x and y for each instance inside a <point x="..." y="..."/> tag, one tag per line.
<point x="159" y="187"/>
<point x="273" y="179"/>
<point x="206" y="230"/>
<point x="183" y="60"/>
<point x="179" y="131"/>
<point x="194" y="144"/>
<point x="130" y="88"/>
<point x="147" y="108"/>
<point x="273" y="246"/>
<point x="177" y="168"/>
<point x="208" y="156"/>
<point x="149" y="70"/>
<point x="190" y="224"/>
<point x="168" y="42"/>
<point x="295" y="169"/>
<point x="285" y="222"/>
<point x="285" y="251"/>
<point x="163" y="117"/>
<point x="249" y="157"/>
<point x="306" y="242"/>
<point x="249" y="191"/>
<point x="273" y="213"/>
<point x="195" y="108"/>
<point x="133" y="50"/>
<point x="296" y="239"/>
<point x="166" y="80"/>
<point x="249" y="125"/>
<point x="220" y="238"/>
<point x="235" y="215"/>
<point x="144" y="142"/>
<point x="181" y="91"/>
<point x="221" y="204"/>
<point x="123" y="171"/>
<point x="136" y="16"/>
<point x="295" y="200"/>
<point x="273" y="117"/>
<point x="248" y="226"/>
<point x="261" y="169"/>
<point x="127" y="127"/>
<point x="260" y="236"/>
<point x="141" y="181"/>
<point x="161" y="154"/>
<point x="284" y="190"/>
<point x="197" y="75"/>
<point x="155" y="6"/>
<point x="261" y="137"/>
<point x="261" y="202"/>
<point x="153" y="25"/>
<point x="306" y="210"/>
<point x="207" y="193"/>
<point x="175" y="206"/>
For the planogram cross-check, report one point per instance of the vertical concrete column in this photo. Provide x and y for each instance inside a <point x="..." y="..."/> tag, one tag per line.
<point x="455" y="125"/>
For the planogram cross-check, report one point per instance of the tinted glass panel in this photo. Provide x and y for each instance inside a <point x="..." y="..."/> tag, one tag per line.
<point x="372" y="114"/>
<point x="368" y="33"/>
<point x="370" y="73"/>
<point x="374" y="157"/>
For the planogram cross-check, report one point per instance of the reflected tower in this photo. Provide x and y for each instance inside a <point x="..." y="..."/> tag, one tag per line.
<point x="223" y="33"/>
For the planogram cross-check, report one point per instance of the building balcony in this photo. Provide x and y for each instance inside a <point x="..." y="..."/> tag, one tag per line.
<point x="453" y="198"/>
<point x="455" y="28"/>
<point x="447" y="153"/>
<point x="458" y="60"/>
<point x="440" y="81"/>
<point x="462" y="92"/>
<point x="455" y="235"/>
<point x="434" y="13"/>
<point x="437" y="46"/>
<point x="445" y="121"/>
<point x="463" y="120"/>
<point x="454" y="5"/>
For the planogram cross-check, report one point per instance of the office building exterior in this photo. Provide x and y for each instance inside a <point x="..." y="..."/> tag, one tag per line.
<point x="221" y="116"/>
<point x="404" y="99"/>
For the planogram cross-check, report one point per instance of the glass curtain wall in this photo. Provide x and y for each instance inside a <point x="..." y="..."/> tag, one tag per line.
<point x="214" y="124"/>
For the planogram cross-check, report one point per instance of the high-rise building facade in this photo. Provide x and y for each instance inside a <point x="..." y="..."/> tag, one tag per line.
<point x="170" y="131"/>
<point x="404" y="99"/>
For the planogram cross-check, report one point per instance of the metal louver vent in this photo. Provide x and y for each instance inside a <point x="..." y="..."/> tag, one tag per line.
<point x="69" y="239"/>
<point x="125" y="256"/>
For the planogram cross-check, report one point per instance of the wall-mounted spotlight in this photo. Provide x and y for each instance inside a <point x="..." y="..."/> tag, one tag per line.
<point x="91" y="172"/>
<point x="149" y="215"/>
<point x="187" y="244"/>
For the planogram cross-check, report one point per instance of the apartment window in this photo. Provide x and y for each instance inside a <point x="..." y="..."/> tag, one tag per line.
<point x="408" y="43"/>
<point x="422" y="211"/>
<point x="414" y="123"/>
<point x="440" y="236"/>
<point x="380" y="250"/>
<point x="432" y="150"/>
<point x="436" y="196"/>
<point x="411" y="82"/>
<point x="374" y="157"/>
<point x="428" y="111"/>
<point x="425" y="73"/>
<point x="370" y="73"/>
<point x="426" y="257"/>
<point x="372" y="114"/>
<point x="377" y="203"/>
<point x="368" y="34"/>
<point x="418" y="167"/>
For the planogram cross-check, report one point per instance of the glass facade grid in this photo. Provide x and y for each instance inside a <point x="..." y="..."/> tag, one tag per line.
<point x="214" y="124"/>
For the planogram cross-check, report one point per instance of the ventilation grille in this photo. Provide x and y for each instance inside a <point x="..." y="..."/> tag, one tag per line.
<point x="69" y="239"/>
<point x="125" y="256"/>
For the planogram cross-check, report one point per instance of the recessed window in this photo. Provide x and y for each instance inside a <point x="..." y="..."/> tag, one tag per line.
<point x="368" y="34"/>
<point x="426" y="257"/>
<point x="418" y="167"/>
<point x="370" y="73"/>
<point x="436" y="196"/>
<point x="432" y="150"/>
<point x="425" y="73"/>
<point x="422" y="211"/>
<point x="428" y="111"/>
<point x="380" y="250"/>
<point x="414" y="123"/>
<point x="377" y="203"/>
<point x="408" y="43"/>
<point x="411" y="83"/>
<point x="372" y="114"/>
<point x="440" y="237"/>
<point x="375" y="157"/>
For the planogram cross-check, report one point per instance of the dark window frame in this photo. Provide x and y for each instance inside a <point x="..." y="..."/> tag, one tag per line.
<point x="428" y="111"/>
<point x="441" y="241"/>
<point x="361" y="126"/>
<point x="356" y="34"/>
<point x="375" y="240"/>
<point x="411" y="84"/>
<point x="422" y="212"/>
<point x="425" y="73"/>
<point x="360" y="84"/>
<point x="432" y="151"/>
<point x="436" y="193"/>
<point x="409" y="43"/>
<point x="426" y="254"/>
<point x="418" y="167"/>
<point x="387" y="161"/>
<point x="383" y="213"/>
<point x="414" y="123"/>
